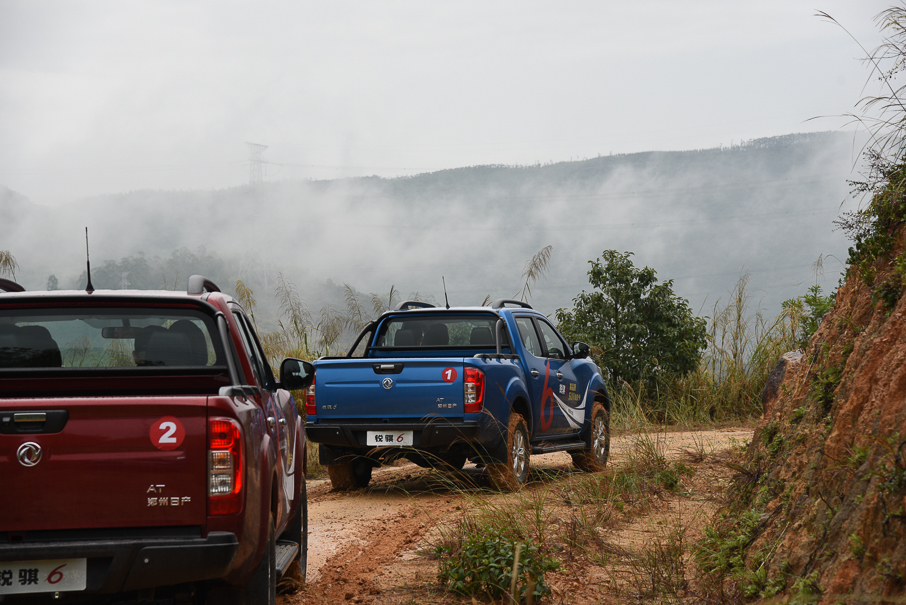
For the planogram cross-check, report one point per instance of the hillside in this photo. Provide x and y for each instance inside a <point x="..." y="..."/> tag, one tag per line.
<point x="699" y="217"/>
<point x="819" y="507"/>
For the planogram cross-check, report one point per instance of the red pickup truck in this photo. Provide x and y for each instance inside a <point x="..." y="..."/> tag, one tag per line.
<point x="146" y="449"/>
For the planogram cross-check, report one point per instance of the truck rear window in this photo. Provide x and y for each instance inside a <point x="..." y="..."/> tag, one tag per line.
<point x="423" y="331"/>
<point x="107" y="337"/>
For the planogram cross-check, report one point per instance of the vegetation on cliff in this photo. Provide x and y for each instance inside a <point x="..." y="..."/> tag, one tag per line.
<point x="817" y="512"/>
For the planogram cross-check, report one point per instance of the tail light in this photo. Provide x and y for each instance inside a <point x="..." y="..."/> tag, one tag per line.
<point x="224" y="466"/>
<point x="473" y="390"/>
<point x="310" y="408"/>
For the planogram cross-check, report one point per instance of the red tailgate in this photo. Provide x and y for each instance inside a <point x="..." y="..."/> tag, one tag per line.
<point x="116" y="462"/>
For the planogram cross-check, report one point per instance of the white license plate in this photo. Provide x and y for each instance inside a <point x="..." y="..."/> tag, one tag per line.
<point x="388" y="438"/>
<point x="42" y="576"/>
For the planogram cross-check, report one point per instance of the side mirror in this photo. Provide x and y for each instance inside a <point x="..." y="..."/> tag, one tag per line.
<point x="580" y="350"/>
<point x="296" y="374"/>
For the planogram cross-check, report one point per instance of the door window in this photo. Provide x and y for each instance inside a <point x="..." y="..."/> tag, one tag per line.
<point x="256" y="355"/>
<point x="529" y="336"/>
<point x="553" y="344"/>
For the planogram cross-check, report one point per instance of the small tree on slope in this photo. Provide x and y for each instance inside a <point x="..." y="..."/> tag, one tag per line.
<point x="639" y="329"/>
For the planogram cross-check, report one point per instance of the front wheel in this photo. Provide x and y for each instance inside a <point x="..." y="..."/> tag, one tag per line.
<point x="513" y="474"/>
<point x="594" y="457"/>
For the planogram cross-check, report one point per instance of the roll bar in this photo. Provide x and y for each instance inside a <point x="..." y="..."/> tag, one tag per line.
<point x="9" y="285"/>
<point x="501" y="302"/>
<point x="199" y="284"/>
<point x="413" y="304"/>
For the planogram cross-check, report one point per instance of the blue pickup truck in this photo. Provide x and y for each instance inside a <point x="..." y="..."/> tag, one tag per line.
<point x="442" y="385"/>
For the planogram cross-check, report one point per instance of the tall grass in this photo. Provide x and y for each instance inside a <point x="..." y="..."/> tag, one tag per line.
<point x="743" y="347"/>
<point x="8" y="264"/>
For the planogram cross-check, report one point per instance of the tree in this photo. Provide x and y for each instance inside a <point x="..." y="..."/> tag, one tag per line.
<point x="638" y="329"/>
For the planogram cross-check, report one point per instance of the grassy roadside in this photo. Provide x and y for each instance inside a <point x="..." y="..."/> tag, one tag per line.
<point x="623" y="535"/>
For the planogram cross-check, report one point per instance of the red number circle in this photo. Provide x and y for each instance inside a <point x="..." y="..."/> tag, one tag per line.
<point x="167" y="433"/>
<point x="448" y="375"/>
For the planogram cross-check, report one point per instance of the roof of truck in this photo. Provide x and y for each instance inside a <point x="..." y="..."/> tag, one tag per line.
<point x="199" y="288"/>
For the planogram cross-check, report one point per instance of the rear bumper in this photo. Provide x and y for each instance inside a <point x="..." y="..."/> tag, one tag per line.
<point x="119" y="564"/>
<point x="438" y="435"/>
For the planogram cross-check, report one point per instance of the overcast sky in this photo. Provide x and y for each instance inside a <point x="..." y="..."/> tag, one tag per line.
<point x="104" y="97"/>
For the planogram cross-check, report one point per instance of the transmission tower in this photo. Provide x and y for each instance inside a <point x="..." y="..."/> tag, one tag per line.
<point x="256" y="164"/>
<point x="252" y="267"/>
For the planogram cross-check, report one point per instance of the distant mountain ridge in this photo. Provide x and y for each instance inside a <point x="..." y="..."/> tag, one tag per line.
<point x="700" y="217"/>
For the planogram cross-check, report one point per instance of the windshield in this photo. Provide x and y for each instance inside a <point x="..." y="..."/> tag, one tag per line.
<point x="107" y="337"/>
<point x="417" y="331"/>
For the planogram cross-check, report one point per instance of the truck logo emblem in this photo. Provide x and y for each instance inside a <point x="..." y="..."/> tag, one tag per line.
<point x="387" y="383"/>
<point x="29" y="454"/>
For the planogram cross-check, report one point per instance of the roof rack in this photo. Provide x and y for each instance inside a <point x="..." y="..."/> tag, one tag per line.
<point x="412" y="304"/>
<point x="199" y="284"/>
<point x="8" y="285"/>
<point x="501" y="302"/>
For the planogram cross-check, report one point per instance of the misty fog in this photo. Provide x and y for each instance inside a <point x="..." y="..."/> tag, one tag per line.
<point x="702" y="218"/>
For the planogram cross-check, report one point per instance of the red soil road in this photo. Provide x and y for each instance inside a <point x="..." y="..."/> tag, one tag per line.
<point x="362" y="544"/>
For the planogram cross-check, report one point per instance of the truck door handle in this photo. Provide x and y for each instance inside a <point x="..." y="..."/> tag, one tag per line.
<point x="535" y="373"/>
<point x="559" y="374"/>
<point x="271" y="421"/>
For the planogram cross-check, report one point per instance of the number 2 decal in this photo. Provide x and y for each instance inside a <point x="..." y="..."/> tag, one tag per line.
<point x="167" y="433"/>
<point x="449" y="374"/>
<point x="169" y="428"/>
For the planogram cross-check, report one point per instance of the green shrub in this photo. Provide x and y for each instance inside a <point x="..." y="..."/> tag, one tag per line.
<point x="798" y="414"/>
<point x="810" y="308"/>
<point x="484" y="565"/>
<point x="805" y="590"/>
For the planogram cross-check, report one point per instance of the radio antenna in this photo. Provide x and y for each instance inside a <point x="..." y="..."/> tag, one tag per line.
<point x="447" y="300"/>
<point x="88" y="286"/>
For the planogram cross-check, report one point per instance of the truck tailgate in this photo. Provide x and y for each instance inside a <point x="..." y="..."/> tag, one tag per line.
<point x="389" y="390"/>
<point x="103" y="462"/>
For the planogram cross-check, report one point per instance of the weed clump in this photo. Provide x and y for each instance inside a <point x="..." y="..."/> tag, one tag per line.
<point x="495" y="566"/>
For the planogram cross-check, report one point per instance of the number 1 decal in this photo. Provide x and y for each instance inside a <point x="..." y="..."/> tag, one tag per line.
<point x="449" y="374"/>
<point x="167" y="433"/>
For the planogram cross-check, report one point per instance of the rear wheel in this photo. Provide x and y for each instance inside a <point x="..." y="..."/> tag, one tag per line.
<point x="262" y="588"/>
<point x="594" y="457"/>
<point x="513" y="474"/>
<point x="353" y="474"/>
<point x="297" y="532"/>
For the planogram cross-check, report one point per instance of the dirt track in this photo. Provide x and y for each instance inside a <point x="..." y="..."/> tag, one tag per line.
<point x="364" y="546"/>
